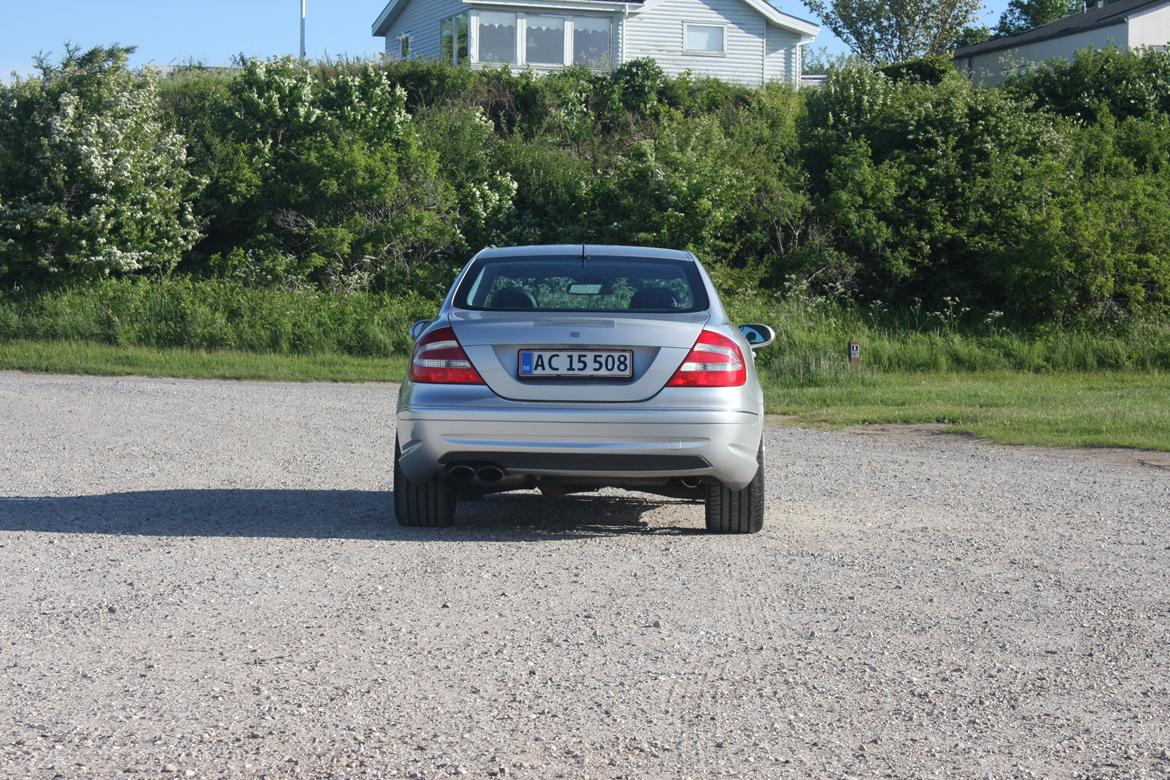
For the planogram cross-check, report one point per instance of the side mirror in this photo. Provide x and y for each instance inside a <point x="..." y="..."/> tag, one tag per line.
<point x="757" y="335"/>
<point x="417" y="328"/>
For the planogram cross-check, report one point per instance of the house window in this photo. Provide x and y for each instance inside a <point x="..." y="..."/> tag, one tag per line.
<point x="497" y="37"/>
<point x="447" y="40"/>
<point x="404" y="47"/>
<point x="545" y="40"/>
<point x="462" y="39"/>
<point x="591" y="42"/>
<point x="703" y="38"/>
<point x="454" y="40"/>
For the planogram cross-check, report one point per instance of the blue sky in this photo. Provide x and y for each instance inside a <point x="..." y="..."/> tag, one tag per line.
<point x="212" y="31"/>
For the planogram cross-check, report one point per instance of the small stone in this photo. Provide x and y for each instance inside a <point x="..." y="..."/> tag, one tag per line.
<point x="111" y="609"/>
<point x="170" y="769"/>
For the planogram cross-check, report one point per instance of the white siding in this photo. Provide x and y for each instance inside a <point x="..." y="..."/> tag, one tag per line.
<point x="657" y="31"/>
<point x="755" y="51"/>
<point x="783" y="57"/>
<point x="1150" y="28"/>
<point x="994" y="66"/>
<point x="421" y="19"/>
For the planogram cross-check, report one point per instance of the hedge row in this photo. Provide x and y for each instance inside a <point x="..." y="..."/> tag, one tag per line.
<point x="1047" y="199"/>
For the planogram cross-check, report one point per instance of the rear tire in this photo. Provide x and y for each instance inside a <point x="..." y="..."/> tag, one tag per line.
<point x="737" y="511"/>
<point x="427" y="504"/>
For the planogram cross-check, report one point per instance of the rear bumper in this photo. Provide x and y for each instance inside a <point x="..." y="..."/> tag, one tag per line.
<point x="606" y="441"/>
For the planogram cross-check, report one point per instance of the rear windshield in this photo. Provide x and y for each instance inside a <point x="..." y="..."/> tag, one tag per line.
<point x="566" y="283"/>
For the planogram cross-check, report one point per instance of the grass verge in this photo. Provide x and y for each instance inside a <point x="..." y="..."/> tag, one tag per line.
<point x="71" y="357"/>
<point x="1107" y="409"/>
<point x="1070" y="409"/>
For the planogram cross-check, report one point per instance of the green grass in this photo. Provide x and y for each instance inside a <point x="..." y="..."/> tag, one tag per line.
<point x="217" y="314"/>
<point x="1107" y="409"/>
<point x="1114" y="409"/>
<point x="70" y="357"/>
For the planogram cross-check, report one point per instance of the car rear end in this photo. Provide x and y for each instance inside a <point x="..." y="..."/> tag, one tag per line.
<point x="570" y="368"/>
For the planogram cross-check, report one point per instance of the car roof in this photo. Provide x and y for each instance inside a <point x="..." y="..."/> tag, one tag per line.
<point x="590" y="250"/>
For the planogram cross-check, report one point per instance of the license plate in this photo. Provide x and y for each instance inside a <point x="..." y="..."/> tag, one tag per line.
<point x="576" y="362"/>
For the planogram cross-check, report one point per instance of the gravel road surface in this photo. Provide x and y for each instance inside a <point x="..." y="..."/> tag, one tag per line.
<point x="204" y="579"/>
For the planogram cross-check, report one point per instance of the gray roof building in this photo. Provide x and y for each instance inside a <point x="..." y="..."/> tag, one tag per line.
<point x="1125" y="24"/>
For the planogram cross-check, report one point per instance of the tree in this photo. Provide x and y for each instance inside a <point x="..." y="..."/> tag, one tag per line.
<point x="1023" y="15"/>
<point x="882" y="32"/>
<point x="92" y="181"/>
<point x="969" y="36"/>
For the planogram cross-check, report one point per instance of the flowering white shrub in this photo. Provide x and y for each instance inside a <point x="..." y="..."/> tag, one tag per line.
<point x="491" y="201"/>
<point x="91" y="180"/>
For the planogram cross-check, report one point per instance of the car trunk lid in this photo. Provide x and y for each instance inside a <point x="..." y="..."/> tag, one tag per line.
<point x="659" y="343"/>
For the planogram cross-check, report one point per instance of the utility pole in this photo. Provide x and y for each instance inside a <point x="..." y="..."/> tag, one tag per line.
<point x="304" y="3"/>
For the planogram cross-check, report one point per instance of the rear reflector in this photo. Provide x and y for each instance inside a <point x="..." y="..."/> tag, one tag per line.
<point x="714" y="361"/>
<point x="439" y="359"/>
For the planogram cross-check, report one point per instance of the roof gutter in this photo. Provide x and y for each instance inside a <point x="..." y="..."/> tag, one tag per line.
<point x="565" y="5"/>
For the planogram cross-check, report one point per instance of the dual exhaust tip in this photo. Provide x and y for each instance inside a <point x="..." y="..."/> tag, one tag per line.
<point x="467" y="473"/>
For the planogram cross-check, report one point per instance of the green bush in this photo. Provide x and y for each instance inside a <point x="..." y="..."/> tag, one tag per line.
<point x="925" y="70"/>
<point x="929" y="187"/>
<point x="1045" y="199"/>
<point x="1100" y="83"/>
<point x="92" y="180"/>
<point x="680" y="188"/>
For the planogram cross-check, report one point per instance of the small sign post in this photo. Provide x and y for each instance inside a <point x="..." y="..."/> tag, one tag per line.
<point x="854" y="353"/>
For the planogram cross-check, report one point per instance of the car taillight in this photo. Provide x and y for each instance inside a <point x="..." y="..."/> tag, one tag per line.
<point x="714" y="361"/>
<point x="438" y="359"/>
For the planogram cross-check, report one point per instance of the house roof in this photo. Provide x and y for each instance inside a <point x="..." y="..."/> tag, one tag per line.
<point x="1092" y="19"/>
<point x="770" y="12"/>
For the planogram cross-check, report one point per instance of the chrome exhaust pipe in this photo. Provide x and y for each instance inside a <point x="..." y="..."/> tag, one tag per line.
<point x="461" y="473"/>
<point x="691" y="483"/>
<point x="489" y="474"/>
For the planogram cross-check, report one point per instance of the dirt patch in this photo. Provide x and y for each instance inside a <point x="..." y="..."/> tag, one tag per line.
<point x="1116" y="456"/>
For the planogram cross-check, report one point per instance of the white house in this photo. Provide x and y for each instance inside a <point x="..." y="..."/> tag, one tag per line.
<point x="1125" y="24"/>
<point x="742" y="41"/>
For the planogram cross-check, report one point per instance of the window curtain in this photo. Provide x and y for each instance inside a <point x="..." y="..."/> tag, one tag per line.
<point x="546" y="40"/>
<point x="497" y="37"/>
<point x="591" y="42"/>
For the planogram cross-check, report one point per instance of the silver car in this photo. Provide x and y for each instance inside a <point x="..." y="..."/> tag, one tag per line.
<point x="571" y="368"/>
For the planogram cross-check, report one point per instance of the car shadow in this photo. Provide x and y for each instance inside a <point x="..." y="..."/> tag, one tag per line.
<point x="330" y="514"/>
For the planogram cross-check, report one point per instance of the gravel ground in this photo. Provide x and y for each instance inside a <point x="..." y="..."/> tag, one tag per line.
<point x="203" y="579"/>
